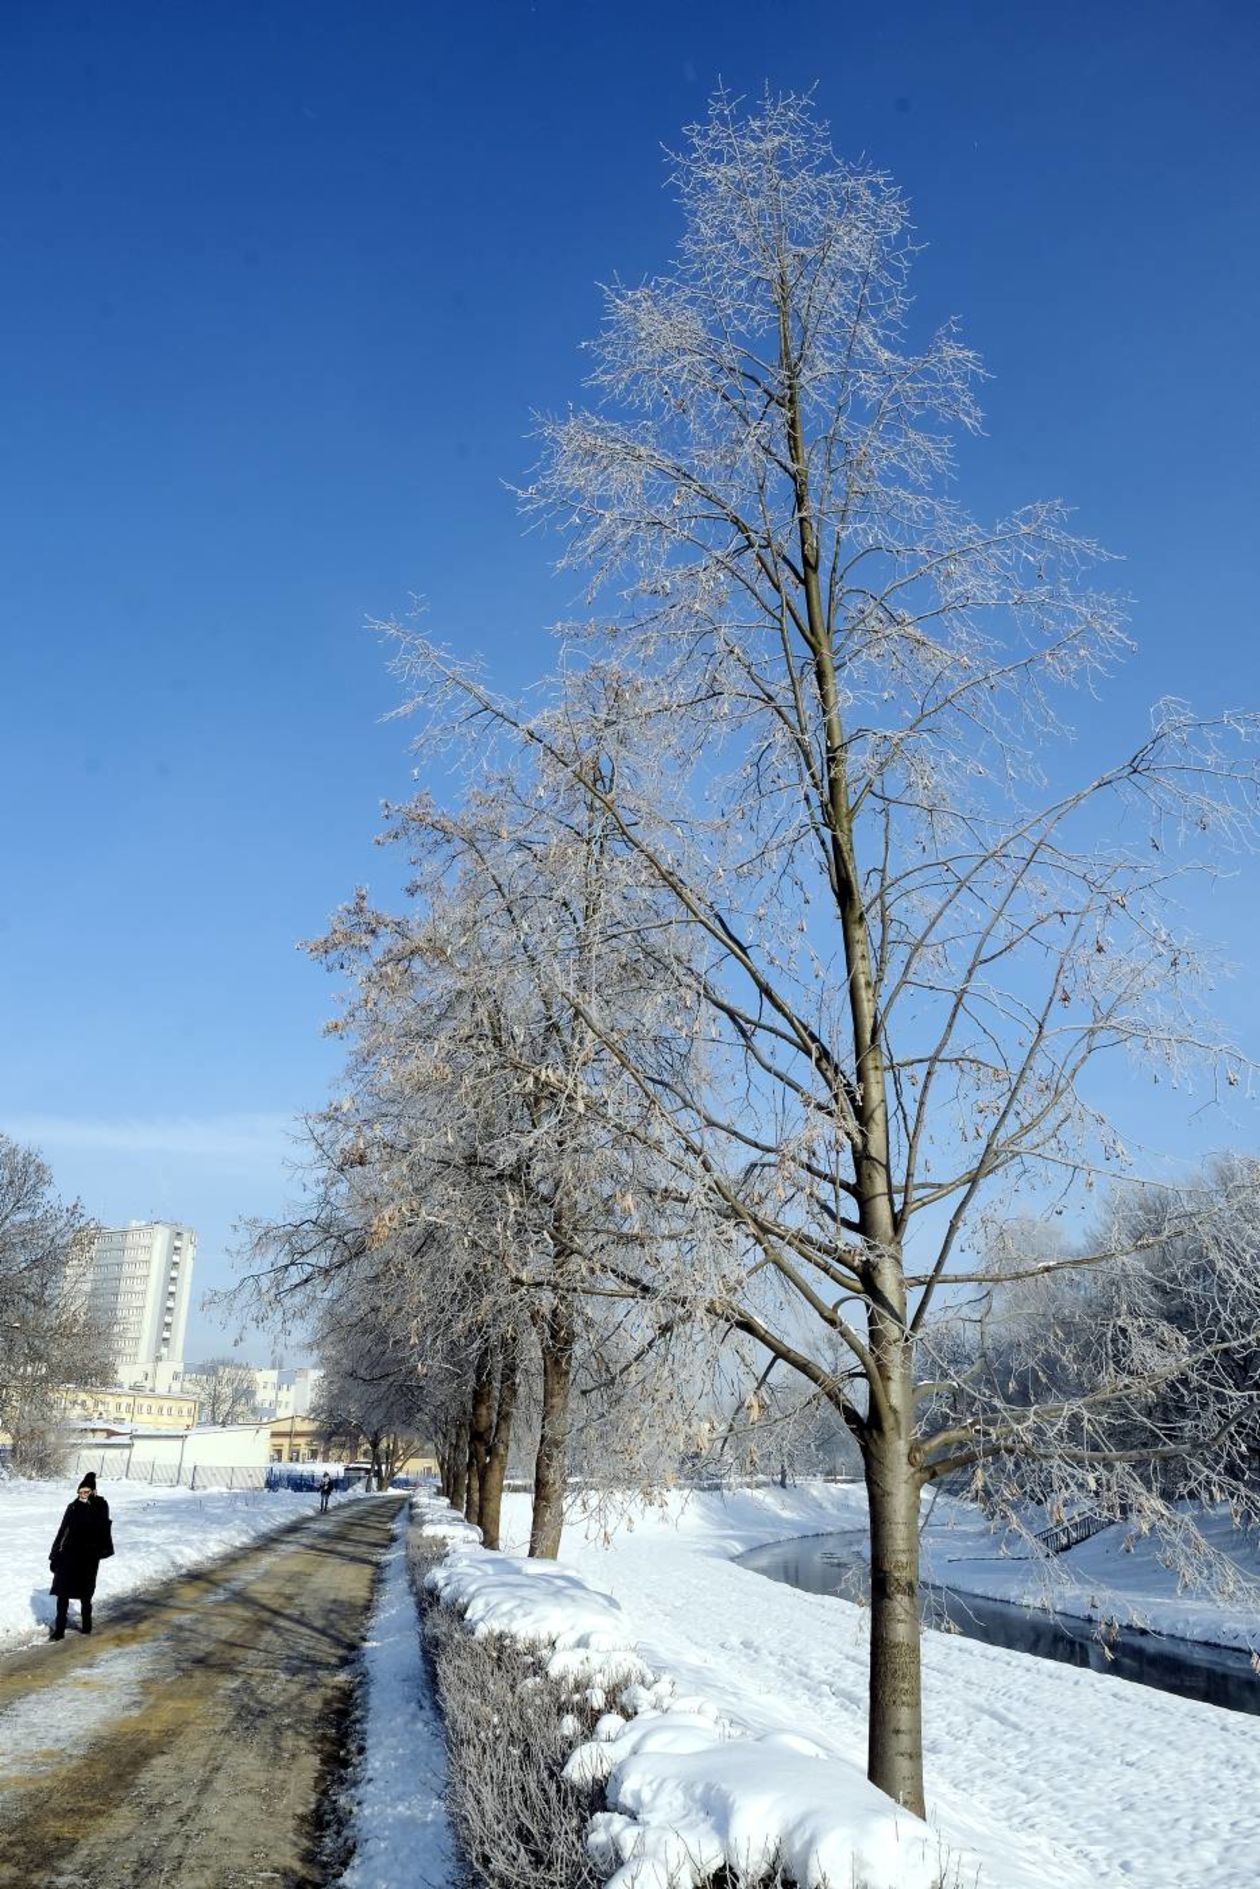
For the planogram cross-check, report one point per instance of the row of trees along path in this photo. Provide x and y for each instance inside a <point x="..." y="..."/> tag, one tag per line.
<point x="757" y="977"/>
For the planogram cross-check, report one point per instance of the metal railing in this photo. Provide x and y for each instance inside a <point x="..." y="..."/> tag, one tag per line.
<point x="1070" y="1534"/>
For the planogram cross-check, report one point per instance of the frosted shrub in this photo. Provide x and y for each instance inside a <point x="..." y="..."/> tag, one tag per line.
<point x="509" y="1729"/>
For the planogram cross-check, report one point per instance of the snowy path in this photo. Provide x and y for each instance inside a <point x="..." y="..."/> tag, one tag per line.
<point x="158" y="1535"/>
<point x="190" y="1739"/>
<point x="398" y="1825"/>
<point x="1073" y="1776"/>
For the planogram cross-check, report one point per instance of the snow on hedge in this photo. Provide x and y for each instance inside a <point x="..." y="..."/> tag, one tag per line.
<point x="692" y="1795"/>
<point x="535" y="1602"/>
<point x="690" y="1790"/>
<point x="438" y="1518"/>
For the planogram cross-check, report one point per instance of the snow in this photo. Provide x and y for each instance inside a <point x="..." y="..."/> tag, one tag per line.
<point x="1041" y="1776"/>
<point x="695" y="1780"/>
<point x="1117" y="1575"/>
<point x="399" y="1825"/>
<point x="692" y="1796"/>
<point x="65" y="1716"/>
<point x="536" y="1602"/>
<point x="158" y="1533"/>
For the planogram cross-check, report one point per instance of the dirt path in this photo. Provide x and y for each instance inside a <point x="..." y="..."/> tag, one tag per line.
<point x="189" y="1742"/>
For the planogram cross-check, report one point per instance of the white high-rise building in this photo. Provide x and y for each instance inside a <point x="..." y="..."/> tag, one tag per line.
<point x="137" y="1282"/>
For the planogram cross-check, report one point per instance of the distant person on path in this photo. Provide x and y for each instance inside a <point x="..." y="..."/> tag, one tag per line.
<point x="83" y="1541"/>
<point x="325" y="1491"/>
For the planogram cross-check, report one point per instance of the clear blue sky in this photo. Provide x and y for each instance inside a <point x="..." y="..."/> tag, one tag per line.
<point x="281" y="282"/>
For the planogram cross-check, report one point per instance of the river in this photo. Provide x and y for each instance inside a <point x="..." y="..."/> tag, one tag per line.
<point x="1218" y="1675"/>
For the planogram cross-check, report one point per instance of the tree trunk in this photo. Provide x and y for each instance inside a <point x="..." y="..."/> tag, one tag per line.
<point x="895" y="1730"/>
<point x="480" y="1435"/>
<point x="497" y="1458"/>
<point x="555" y="1338"/>
<point x="458" y="1467"/>
<point x="896" y="1716"/>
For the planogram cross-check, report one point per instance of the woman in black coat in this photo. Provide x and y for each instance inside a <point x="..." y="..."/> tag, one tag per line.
<point x="82" y="1542"/>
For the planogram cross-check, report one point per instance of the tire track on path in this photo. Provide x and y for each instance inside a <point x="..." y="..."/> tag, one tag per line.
<point x="190" y="1741"/>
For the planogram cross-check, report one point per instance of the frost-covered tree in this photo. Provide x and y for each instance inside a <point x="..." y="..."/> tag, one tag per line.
<point x="505" y="1125"/>
<point x="226" y="1391"/>
<point x="841" y="702"/>
<point x="371" y="1391"/>
<point x="1140" y="1345"/>
<point x="47" y="1338"/>
<point x="486" y="1172"/>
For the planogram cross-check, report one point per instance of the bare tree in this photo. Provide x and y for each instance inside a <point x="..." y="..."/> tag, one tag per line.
<point x="838" y="703"/>
<point x="47" y="1338"/>
<point x="370" y="1391"/>
<point x="226" y="1390"/>
<point x="473" y="1079"/>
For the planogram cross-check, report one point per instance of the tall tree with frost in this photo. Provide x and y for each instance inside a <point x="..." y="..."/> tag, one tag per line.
<point x="912" y="938"/>
<point x="48" y="1337"/>
<point x="491" y="1115"/>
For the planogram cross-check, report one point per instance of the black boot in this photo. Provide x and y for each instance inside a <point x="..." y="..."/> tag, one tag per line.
<point x="85" y="1615"/>
<point x="58" y="1629"/>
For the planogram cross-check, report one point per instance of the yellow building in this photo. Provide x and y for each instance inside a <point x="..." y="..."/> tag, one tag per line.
<point x="303" y="1440"/>
<point x="141" y="1410"/>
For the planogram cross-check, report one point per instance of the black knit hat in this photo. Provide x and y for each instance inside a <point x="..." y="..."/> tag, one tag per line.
<point x="88" y="1481"/>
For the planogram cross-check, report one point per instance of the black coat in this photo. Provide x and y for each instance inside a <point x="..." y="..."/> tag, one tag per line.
<point x="82" y="1542"/>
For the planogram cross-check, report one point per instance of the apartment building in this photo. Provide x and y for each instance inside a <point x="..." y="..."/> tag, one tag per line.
<point x="137" y="1281"/>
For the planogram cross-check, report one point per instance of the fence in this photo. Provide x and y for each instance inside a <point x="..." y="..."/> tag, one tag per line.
<point x="1071" y="1533"/>
<point x="119" y="1466"/>
<point x="305" y="1478"/>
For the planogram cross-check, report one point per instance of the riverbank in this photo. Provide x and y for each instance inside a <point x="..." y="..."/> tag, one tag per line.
<point x="1053" y="1773"/>
<point x="1203" y="1585"/>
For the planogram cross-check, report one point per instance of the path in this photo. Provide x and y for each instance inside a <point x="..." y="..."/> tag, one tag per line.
<point x="188" y="1743"/>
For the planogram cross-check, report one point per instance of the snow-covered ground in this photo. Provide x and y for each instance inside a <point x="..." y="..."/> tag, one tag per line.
<point x="158" y="1533"/>
<point x="1049" y="1776"/>
<point x="1115" y="1575"/>
<point x="399" y="1826"/>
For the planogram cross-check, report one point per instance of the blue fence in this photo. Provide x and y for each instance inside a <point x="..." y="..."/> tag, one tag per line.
<point x="307" y="1481"/>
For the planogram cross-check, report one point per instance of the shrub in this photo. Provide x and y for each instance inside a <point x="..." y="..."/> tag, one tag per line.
<point x="518" y="1823"/>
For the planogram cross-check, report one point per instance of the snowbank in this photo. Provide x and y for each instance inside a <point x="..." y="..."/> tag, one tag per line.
<point x="691" y="1788"/>
<point x="399" y="1826"/>
<point x="158" y="1533"/>
<point x="1117" y="1575"/>
<point x="1053" y="1775"/>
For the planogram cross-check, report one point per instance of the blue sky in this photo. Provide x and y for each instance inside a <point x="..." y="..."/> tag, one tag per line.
<point x="281" y="286"/>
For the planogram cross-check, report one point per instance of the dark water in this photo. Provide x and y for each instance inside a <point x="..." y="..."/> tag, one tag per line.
<point x="1218" y="1675"/>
